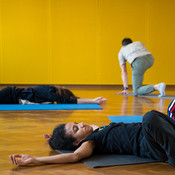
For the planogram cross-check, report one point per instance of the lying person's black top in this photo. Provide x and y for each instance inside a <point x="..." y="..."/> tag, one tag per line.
<point x="36" y="94"/>
<point x="153" y="138"/>
<point x="117" y="138"/>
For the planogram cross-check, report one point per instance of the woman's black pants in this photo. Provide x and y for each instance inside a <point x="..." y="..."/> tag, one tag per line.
<point x="159" y="136"/>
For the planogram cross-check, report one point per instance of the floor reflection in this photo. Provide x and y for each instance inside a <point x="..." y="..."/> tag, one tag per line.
<point x="140" y="105"/>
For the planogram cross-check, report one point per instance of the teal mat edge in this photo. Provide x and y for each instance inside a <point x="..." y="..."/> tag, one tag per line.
<point x="19" y="107"/>
<point x="126" y="118"/>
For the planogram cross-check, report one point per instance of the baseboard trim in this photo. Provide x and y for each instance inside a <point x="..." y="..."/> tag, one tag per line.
<point x="168" y="87"/>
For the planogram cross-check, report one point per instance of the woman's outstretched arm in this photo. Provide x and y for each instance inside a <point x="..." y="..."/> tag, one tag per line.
<point x="84" y="151"/>
<point x="98" y="100"/>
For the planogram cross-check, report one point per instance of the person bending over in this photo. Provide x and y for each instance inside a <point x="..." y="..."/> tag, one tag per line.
<point x="140" y="59"/>
<point x="43" y="94"/>
<point x="154" y="138"/>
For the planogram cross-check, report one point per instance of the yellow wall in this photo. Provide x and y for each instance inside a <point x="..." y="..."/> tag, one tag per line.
<point x="77" y="41"/>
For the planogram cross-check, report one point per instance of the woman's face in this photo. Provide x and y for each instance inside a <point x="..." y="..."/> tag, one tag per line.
<point x="79" y="131"/>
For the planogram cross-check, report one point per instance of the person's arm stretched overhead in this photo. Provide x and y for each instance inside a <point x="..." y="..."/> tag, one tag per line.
<point x="98" y="100"/>
<point x="84" y="151"/>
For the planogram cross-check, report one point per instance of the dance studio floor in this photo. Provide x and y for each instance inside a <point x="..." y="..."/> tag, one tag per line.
<point x="22" y="132"/>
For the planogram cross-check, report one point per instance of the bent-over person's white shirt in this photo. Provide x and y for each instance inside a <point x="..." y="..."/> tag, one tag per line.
<point x="132" y="51"/>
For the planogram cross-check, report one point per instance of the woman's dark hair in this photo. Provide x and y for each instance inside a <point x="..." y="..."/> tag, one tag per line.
<point x="64" y="92"/>
<point x="126" y="41"/>
<point x="60" y="140"/>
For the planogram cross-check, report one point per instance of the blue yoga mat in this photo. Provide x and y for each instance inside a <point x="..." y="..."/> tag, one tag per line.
<point x="126" y="119"/>
<point x="19" y="107"/>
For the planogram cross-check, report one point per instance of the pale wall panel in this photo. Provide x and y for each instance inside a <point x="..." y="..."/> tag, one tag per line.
<point x="162" y="37"/>
<point x="74" y="43"/>
<point x="119" y="19"/>
<point x="24" y="42"/>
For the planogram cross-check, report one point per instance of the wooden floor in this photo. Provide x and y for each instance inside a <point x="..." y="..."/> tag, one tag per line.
<point x="22" y="132"/>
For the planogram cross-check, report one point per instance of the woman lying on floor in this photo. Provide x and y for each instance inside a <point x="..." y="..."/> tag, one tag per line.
<point x="43" y="94"/>
<point x="153" y="138"/>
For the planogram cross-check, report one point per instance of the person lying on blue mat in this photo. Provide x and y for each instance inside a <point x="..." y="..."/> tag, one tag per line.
<point x="43" y="94"/>
<point x="154" y="138"/>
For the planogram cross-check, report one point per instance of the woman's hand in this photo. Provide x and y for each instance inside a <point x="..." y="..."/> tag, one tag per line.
<point x="100" y="100"/>
<point x="22" y="159"/>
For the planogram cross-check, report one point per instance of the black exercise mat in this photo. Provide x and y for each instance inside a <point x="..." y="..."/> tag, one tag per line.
<point x="153" y="95"/>
<point x="111" y="160"/>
